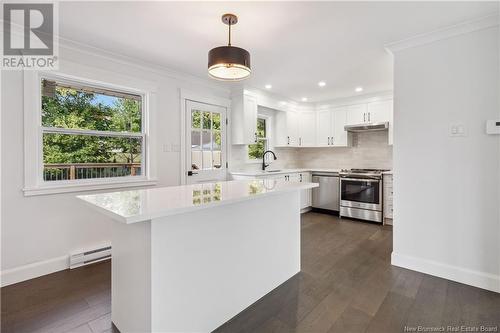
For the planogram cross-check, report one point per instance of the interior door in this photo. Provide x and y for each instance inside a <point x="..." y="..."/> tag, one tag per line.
<point x="206" y="144"/>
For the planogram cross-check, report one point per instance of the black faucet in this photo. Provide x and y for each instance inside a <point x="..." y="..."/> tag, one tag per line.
<point x="264" y="165"/>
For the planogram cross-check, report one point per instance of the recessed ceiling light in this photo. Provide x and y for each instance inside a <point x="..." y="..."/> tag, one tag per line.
<point x="358" y="89"/>
<point x="268" y="86"/>
<point x="304" y="99"/>
<point x="321" y="83"/>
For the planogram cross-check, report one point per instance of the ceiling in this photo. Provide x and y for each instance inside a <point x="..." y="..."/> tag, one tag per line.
<point x="293" y="45"/>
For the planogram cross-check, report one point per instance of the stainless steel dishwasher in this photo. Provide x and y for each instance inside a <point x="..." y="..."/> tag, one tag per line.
<point x="326" y="196"/>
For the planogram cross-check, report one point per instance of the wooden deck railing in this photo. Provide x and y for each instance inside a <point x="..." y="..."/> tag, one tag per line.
<point x="89" y="170"/>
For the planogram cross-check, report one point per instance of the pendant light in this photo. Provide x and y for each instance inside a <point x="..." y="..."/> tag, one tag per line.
<point x="229" y="63"/>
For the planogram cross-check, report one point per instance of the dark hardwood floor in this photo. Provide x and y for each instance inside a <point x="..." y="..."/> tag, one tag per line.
<point x="346" y="285"/>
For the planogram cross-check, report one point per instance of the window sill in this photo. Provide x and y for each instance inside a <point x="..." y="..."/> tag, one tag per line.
<point x="47" y="189"/>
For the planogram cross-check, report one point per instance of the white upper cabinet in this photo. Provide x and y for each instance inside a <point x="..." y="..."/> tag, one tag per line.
<point x="330" y="128"/>
<point x="287" y="129"/>
<point x="356" y="114"/>
<point x="307" y="129"/>
<point x="379" y="112"/>
<point x="244" y="119"/>
<point x="324" y="128"/>
<point x="339" y="120"/>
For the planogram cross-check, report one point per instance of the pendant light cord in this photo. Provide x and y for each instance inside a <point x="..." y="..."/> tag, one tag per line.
<point x="229" y="44"/>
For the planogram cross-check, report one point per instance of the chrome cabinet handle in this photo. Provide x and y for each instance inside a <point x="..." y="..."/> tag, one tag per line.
<point x="301" y="178"/>
<point x="364" y="117"/>
<point x="256" y="137"/>
<point x="300" y="141"/>
<point x="369" y="117"/>
<point x="288" y="140"/>
<point x="328" y="140"/>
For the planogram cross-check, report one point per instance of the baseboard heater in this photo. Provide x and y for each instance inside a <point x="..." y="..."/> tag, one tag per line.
<point x="89" y="257"/>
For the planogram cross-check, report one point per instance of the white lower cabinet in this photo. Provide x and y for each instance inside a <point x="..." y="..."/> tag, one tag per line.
<point x="388" y="202"/>
<point x="305" y="195"/>
<point x="306" y="177"/>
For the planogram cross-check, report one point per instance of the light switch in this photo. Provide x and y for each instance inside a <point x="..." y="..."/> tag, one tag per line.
<point x="176" y="147"/>
<point x="458" y="130"/>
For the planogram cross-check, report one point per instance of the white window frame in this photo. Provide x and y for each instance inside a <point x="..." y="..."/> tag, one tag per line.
<point x="268" y="140"/>
<point x="33" y="148"/>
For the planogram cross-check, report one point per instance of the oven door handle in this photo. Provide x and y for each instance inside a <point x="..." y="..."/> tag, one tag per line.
<point x="369" y="180"/>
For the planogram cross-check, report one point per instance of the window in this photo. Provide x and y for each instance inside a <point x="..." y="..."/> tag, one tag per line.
<point x="206" y="140"/>
<point x="256" y="150"/>
<point x="90" y="132"/>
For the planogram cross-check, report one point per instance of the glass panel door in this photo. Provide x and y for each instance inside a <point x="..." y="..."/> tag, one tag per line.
<point x="206" y="142"/>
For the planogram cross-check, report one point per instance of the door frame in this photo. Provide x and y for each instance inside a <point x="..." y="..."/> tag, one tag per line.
<point x="187" y="95"/>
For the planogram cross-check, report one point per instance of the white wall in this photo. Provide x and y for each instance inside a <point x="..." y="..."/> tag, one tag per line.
<point x="41" y="231"/>
<point x="446" y="193"/>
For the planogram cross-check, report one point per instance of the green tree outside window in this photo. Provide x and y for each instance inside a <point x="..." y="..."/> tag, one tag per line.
<point x="256" y="150"/>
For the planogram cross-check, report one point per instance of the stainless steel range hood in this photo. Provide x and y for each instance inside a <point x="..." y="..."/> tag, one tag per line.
<point x="367" y="127"/>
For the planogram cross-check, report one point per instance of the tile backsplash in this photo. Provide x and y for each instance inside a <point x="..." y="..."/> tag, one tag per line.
<point x="368" y="150"/>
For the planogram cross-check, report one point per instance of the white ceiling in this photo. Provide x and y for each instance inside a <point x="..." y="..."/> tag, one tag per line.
<point x="293" y="44"/>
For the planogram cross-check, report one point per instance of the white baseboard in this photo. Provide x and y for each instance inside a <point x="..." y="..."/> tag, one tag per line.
<point x="30" y="271"/>
<point x="466" y="276"/>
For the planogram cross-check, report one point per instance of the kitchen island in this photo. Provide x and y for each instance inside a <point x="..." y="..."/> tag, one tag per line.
<point x="189" y="258"/>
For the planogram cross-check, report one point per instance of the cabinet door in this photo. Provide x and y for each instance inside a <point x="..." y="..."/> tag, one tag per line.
<point x="250" y="112"/>
<point x="307" y="129"/>
<point x="280" y="130"/>
<point x="292" y="121"/>
<point x="379" y="112"/>
<point x="243" y="119"/>
<point x="339" y="120"/>
<point x="305" y="195"/>
<point x="356" y="114"/>
<point x="323" y="128"/>
<point x="286" y="129"/>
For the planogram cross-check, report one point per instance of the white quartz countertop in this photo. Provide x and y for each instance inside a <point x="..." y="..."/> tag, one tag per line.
<point x="140" y="205"/>
<point x="254" y="173"/>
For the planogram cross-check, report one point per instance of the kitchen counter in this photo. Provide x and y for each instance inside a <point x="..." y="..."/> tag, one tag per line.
<point x="177" y="249"/>
<point x="259" y="173"/>
<point x="145" y="204"/>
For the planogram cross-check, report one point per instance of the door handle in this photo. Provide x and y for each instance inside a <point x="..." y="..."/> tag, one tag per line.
<point x="190" y="173"/>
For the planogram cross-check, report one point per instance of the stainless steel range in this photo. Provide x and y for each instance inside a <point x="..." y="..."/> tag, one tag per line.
<point x="361" y="194"/>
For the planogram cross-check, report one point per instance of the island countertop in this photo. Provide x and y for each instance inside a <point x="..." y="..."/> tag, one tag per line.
<point x="133" y="206"/>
